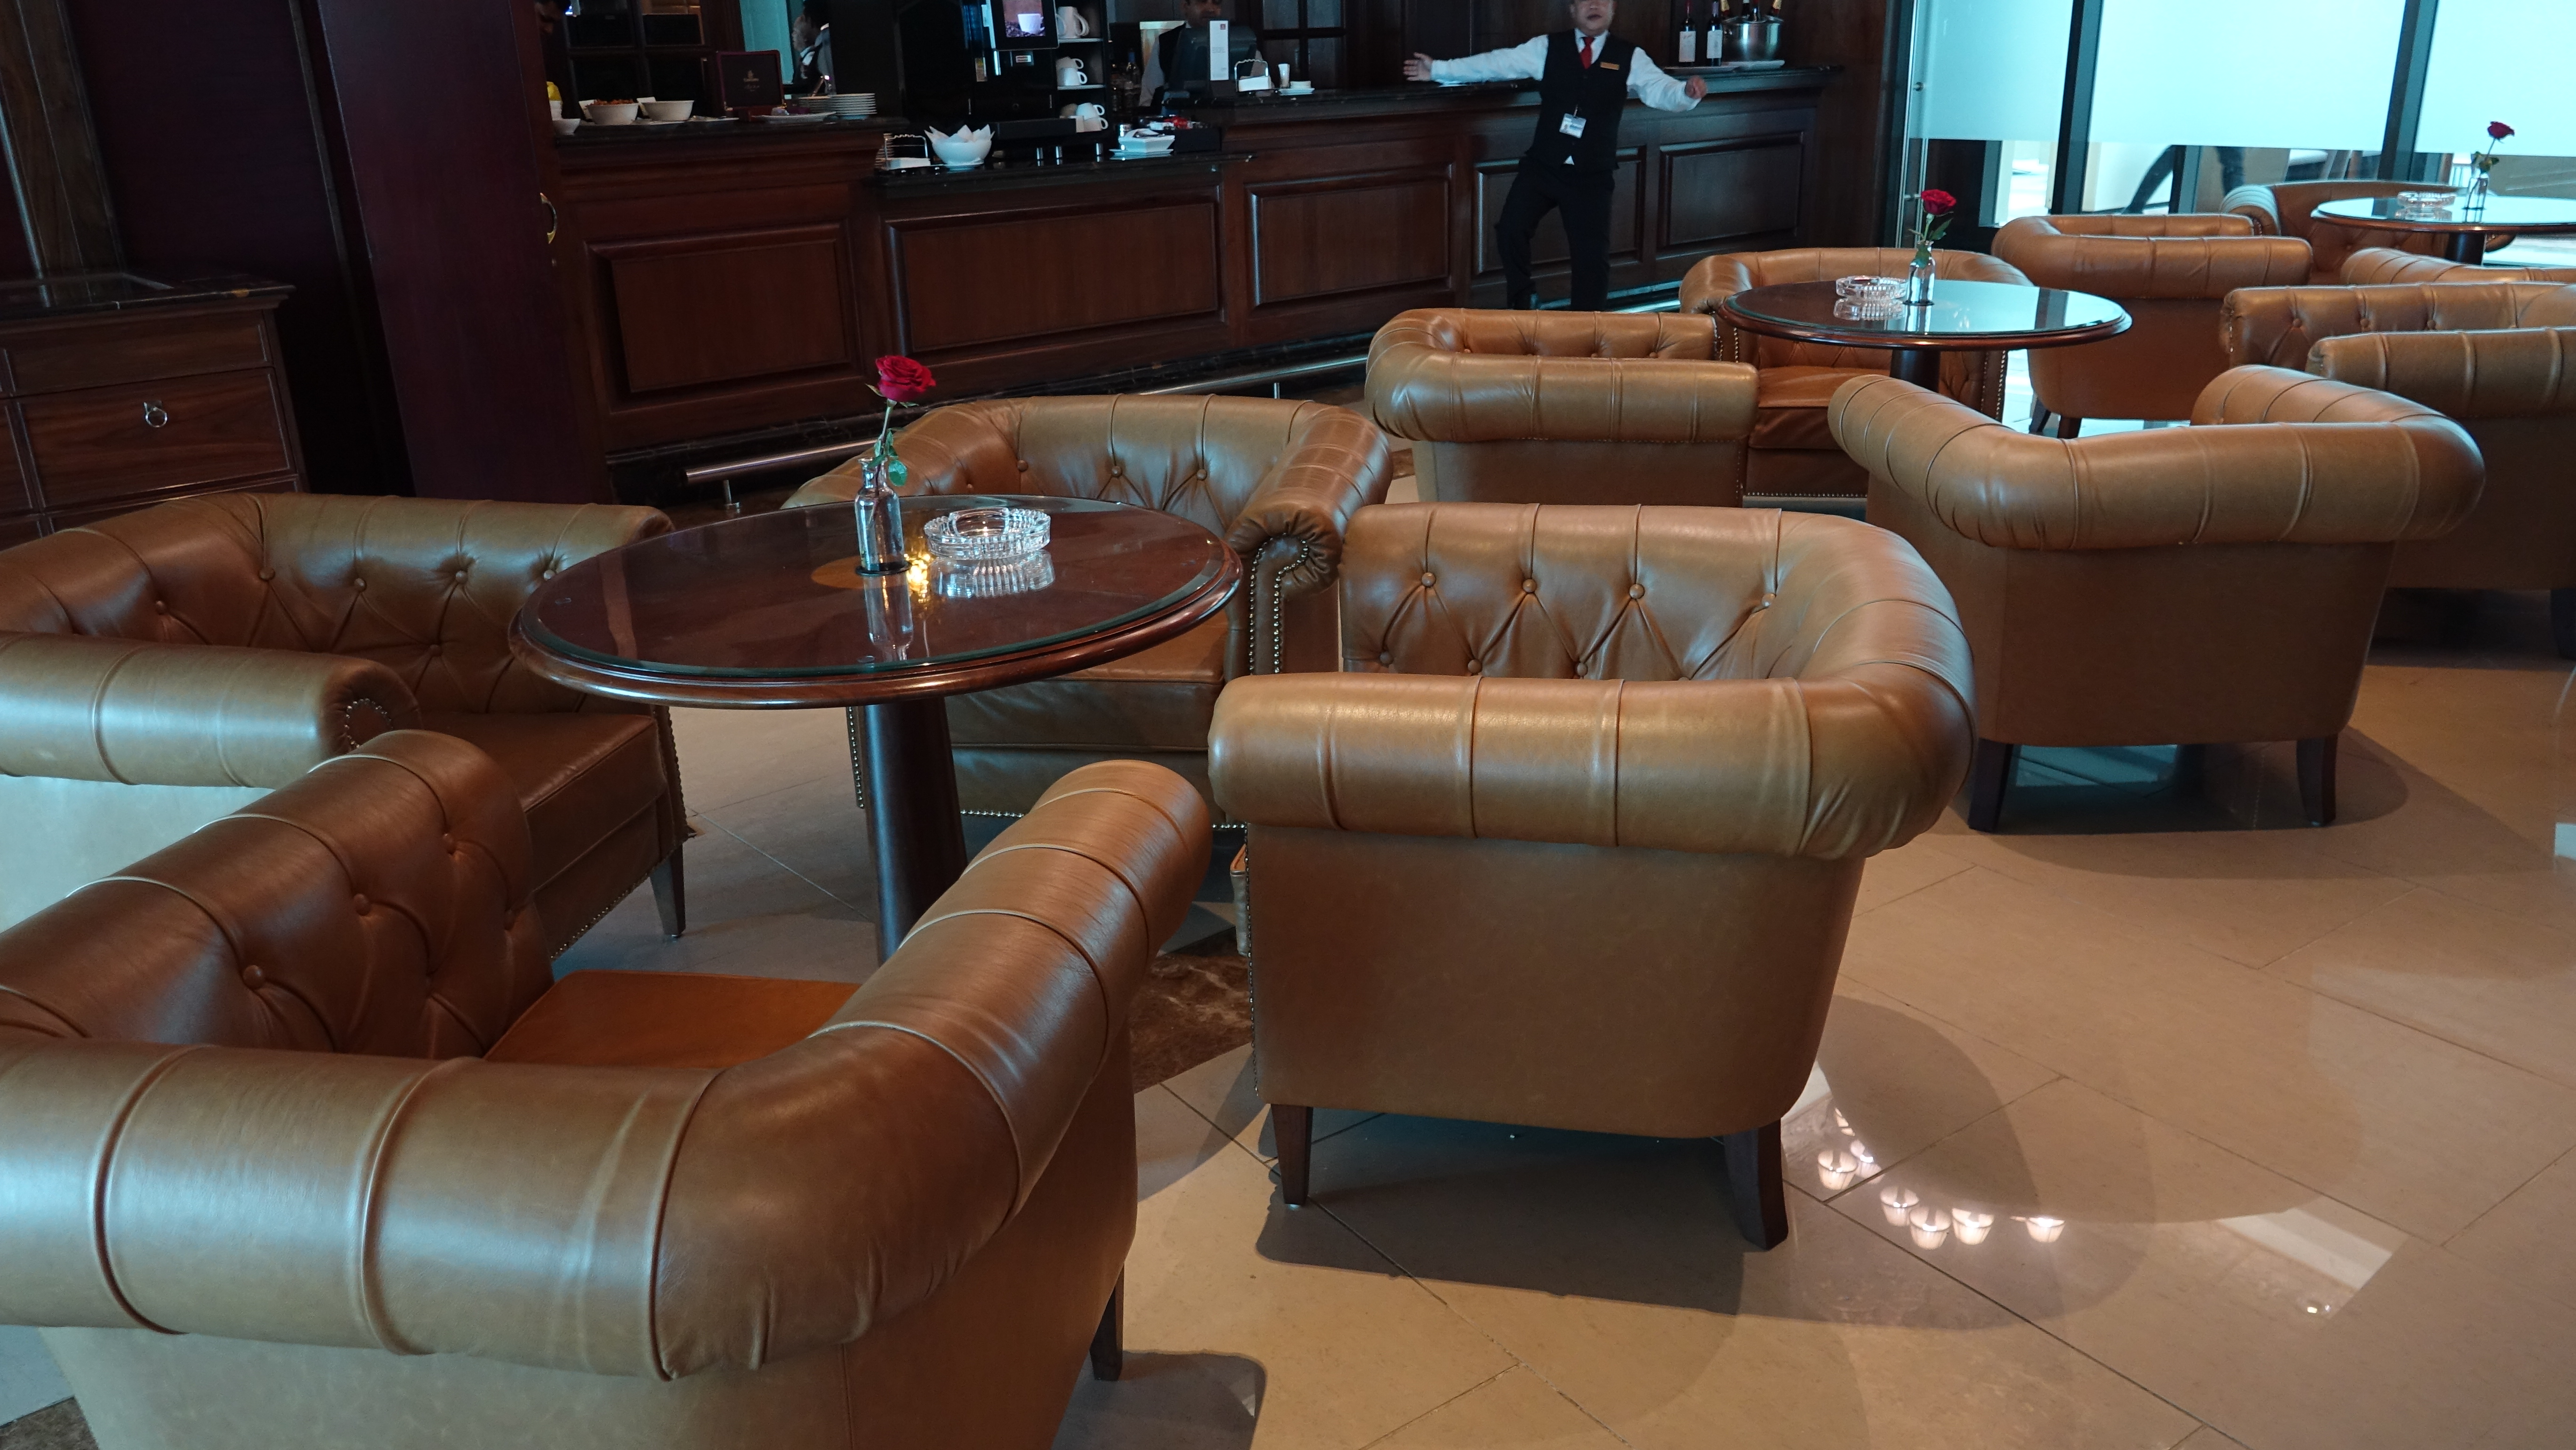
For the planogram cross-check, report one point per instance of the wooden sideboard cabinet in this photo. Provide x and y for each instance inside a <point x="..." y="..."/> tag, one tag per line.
<point x="119" y="391"/>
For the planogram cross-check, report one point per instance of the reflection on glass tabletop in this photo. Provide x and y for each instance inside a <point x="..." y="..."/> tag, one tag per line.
<point x="2493" y="214"/>
<point x="779" y="595"/>
<point x="1962" y="314"/>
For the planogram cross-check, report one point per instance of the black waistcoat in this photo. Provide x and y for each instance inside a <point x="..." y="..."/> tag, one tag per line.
<point x="1597" y="94"/>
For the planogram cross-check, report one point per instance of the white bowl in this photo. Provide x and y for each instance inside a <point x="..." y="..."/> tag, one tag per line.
<point x="968" y="147"/>
<point x="667" y="110"/>
<point x="566" y="125"/>
<point x="606" y="113"/>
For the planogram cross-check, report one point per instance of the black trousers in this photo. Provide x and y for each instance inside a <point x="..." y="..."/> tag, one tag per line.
<point x="1582" y="200"/>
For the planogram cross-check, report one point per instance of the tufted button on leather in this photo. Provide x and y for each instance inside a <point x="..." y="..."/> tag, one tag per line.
<point x="510" y="921"/>
<point x="1426" y="578"/>
<point x="436" y="650"/>
<point x="1636" y="591"/>
<point x="360" y="905"/>
<point x="1118" y="470"/>
<point x="1529" y="586"/>
<point x="1384" y="658"/>
<point x="267" y="574"/>
<point x="253" y="978"/>
<point x="1475" y="667"/>
<point x="449" y="842"/>
<point x="358" y="584"/>
<point x="1024" y="465"/>
<point x="160" y="606"/>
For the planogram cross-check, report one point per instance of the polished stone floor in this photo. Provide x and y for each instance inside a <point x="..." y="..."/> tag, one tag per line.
<point x="2153" y="1120"/>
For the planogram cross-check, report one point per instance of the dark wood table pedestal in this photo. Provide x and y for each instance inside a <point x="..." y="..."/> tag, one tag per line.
<point x="1919" y="366"/>
<point x="915" y="838"/>
<point x="1963" y="316"/>
<point x="2464" y="226"/>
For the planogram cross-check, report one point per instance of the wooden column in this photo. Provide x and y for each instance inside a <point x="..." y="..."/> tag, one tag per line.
<point x="54" y="164"/>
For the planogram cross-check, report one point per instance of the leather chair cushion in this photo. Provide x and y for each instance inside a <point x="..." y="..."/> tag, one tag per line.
<point x="667" y="1019"/>
<point x="1158" y="699"/>
<point x="579" y="777"/>
<point x="1792" y="405"/>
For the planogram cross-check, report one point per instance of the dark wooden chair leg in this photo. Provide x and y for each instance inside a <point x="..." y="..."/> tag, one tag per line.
<point x="2069" y="427"/>
<point x="1292" y="1129"/>
<point x="2040" y="418"/>
<point x="1989" y="776"/>
<point x="1109" y="1341"/>
<point x="2191" y="770"/>
<point x="2317" y="778"/>
<point x="2562" y="622"/>
<point x="1754" y="1182"/>
<point x="671" y="894"/>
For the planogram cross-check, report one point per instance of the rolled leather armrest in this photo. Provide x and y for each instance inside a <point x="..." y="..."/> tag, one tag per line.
<point x="1339" y="462"/>
<point x="1712" y="280"/>
<point x="2147" y="258"/>
<point x="2255" y="204"/>
<point x="2521" y="372"/>
<point x="1642" y="384"/>
<point x="2381" y="266"/>
<point x="2278" y="326"/>
<point x="83" y="707"/>
<point x="647" y="1222"/>
<point x="1841" y="766"/>
<point x="2312" y="478"/>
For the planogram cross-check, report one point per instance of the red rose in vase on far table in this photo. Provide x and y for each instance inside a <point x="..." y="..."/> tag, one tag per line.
<point x="2483" y="162"/>
<point x="1937" y="208"/>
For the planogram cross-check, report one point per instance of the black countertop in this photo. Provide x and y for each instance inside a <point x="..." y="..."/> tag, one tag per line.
<point x="1000" y="174"/>
<point x="35" y="299"/>
<point x="702" y="128"/>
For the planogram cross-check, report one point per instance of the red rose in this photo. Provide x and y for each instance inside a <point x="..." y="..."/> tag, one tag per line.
<point x="2498" y="130"/>
<point x="1939" y="203"/>
<point x="901" y="380"/>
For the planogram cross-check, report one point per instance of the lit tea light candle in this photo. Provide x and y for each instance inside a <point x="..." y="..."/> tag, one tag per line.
<point x="1897" y="1202"/>
<point x="1930" y="1226"/>
<point x="1972" y="1225"/>
<point x="2043" y="1228"/>
<point x="1836" y="1170"/>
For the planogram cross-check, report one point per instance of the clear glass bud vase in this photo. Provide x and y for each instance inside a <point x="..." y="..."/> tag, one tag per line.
<point x="1918" y="279"/>
<point x="880" y="518"/>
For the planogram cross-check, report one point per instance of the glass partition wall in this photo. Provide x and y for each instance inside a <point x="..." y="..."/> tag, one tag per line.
<point x="2154" y="106"/>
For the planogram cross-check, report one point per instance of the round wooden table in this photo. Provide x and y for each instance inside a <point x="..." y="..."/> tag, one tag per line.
<point x="770" y="613"/>
<point x="1963" y="316"/>
<point x="2462" y="224"/>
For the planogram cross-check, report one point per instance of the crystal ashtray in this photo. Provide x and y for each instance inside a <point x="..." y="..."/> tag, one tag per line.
<point x="991" y="578"/>
<point x="1868" y="289"/>
<point x="2420" y="203"/>
<point x="987" y="534"/>
<point x="1868" y="309"/>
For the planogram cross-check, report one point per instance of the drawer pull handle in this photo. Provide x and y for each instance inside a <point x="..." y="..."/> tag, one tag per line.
<point x="155" y="416"/>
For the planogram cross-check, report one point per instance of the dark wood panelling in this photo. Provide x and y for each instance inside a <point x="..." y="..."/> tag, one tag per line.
<point x="54" y="163"/>
<point x="19" y="530"/>
<point x="1857" y="121"/>
<point x="118" y="352"/>
<point x="702" y="310"/>
<point x="1548" y="253"/>
<point x="1302" y="235"/>
<point x="99" y="442"/>
<point x="14" y="494"/>
<point x="1722" y="191"/>
<point x="78" y="517"/>
<point x="964" y="280"/>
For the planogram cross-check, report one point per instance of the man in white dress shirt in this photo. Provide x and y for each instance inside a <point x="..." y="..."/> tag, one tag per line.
<point x="1585" y="77"/>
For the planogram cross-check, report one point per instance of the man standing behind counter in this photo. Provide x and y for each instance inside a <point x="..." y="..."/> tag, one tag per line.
<point x="1585" y="77"/>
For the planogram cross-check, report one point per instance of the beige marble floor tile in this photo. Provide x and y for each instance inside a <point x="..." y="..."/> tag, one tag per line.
<point x="2530" y="1238"/>
<point x="2460" y="971"/>
<point x="1908" y="868"/>
<point x="1221" y="1090"/>
<point x="2498" y="849"/>
<point x="1347" y="1349"/>
<point x="732" y="755"/>
<point x="2249" y="896"/>
<point x="2417" y="1131"/>
<point x="813" y="828"/>
<point x="2206" y="1438"/>
<point x="1610" y="1266"/>
<point x="2287" y="1320"/>
<point x="1892" y="1082"/>
<point x="1514" y="1411"/>
<point x="748" y="916"/>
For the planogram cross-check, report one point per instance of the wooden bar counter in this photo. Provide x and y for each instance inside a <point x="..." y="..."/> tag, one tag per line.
<point x="723" y="280"/>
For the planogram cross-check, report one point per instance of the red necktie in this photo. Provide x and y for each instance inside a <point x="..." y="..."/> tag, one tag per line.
<point x="1587" y="52"/>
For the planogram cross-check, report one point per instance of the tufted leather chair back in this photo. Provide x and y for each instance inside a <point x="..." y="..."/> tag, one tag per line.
<point x="2288" y="209"/>
<point x="1596" y="594"/>
<point x="376" y="905"/>
<point x="1554" y="334"/>
<point x="2383" y="266"/>
<point x="2278" y="326"/>
<point x="425" y="587"/>
<point x="1200" y="458"/>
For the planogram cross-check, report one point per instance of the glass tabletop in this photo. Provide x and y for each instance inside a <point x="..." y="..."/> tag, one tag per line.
<point x="1962" y="314"/>
<point x="2456" y="213"/>
<point x="779" y="595"/>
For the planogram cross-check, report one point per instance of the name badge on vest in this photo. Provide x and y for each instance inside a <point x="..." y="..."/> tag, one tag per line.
<point x="1570" y="125"/>
<point x="1605" y="65"/>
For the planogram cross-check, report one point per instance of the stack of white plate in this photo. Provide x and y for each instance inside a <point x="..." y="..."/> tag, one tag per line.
<point x="852" y="108"/>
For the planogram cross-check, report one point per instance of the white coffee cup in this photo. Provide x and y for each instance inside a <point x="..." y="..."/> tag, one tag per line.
<point x="1069" y="24"/>
<point x="1069" y="72"/>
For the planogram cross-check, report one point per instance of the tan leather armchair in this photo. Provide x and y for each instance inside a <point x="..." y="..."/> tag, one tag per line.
<point x="1573" y="839"/>
<point x="164" y="667"/>
<point x="2288" y="209"/>
<point x="261" y="1195"/>
<point x="2499" y="359"/>
<point x="1276" y="480"/>
<point x="1563" y="407"/>
<point x="2384" y="266"/>
<point x="1793" y="452"/>
<point x="2171" y="273"/>
<point x="2173" y="586"/>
